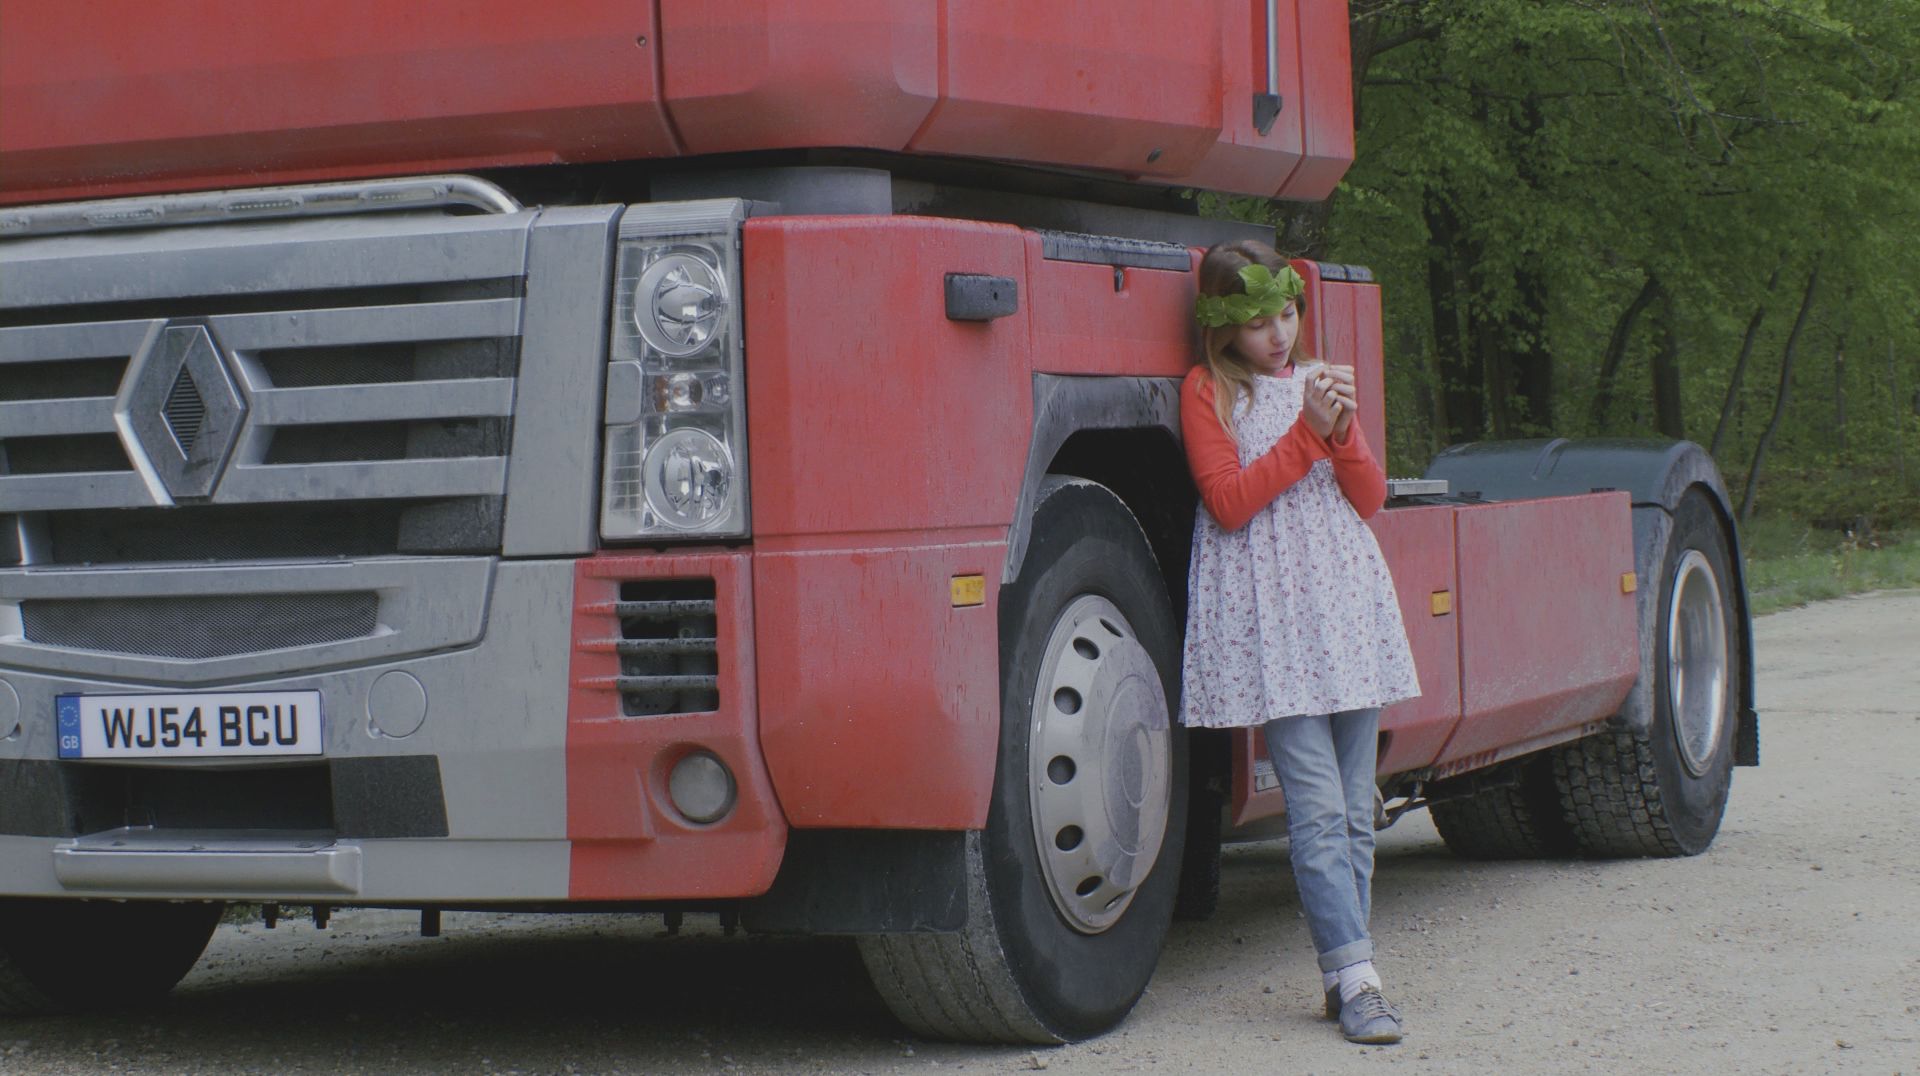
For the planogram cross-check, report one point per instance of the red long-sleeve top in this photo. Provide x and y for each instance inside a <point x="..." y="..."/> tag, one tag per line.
<point x="1235" y="494"/>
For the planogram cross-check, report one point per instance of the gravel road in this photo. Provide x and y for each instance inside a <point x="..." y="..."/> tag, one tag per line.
<point x="1792" y="946"/>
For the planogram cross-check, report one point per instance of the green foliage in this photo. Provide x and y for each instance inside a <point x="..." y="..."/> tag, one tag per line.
<point x="1526" y="170"/>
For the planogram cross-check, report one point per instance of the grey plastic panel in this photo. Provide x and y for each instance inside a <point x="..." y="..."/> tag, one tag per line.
<point x="553" y="488"/>
<point x="426" y="604"/>
<point x="496" y="721"/>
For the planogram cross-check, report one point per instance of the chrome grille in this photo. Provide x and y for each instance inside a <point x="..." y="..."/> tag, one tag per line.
<point x="369" y="364"/>
<point x="200" y="626"/>
<point x="668" y="647"/>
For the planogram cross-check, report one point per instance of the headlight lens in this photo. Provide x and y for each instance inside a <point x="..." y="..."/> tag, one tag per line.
<point x="679" y="303"/>
<point x="676" y="431"/>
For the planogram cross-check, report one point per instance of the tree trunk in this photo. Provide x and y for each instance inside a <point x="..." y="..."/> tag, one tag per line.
<point x="1617" y="352"/>
<point x="1780" y="396"/>
<point x="1461" y="396"/>
<point x="1731" y="404"/>
<point x="1899" y="417"/>
<point x="1489" y="343"/>
<point x="1533" y="381"/>
<point x="1840" y="398"/>
<point x="1668" y="416"/>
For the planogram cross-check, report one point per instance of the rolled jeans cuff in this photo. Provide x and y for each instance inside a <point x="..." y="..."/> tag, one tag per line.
<point x="1351" y="953"/>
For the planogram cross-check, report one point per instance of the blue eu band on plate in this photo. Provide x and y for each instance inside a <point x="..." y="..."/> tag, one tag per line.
<point x="218" y="724"/>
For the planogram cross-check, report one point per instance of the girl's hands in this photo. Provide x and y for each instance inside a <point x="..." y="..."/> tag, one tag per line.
<point x="1329" y="401"/>
<point x="1342" y="380"/>
<point x="1319" y="403"/>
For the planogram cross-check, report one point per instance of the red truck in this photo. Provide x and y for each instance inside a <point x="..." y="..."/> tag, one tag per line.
<point x="723" y="456"/>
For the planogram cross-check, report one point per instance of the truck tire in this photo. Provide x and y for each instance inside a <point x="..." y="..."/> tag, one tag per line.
<point x="1070" y="887"/>
<point x="1522" y="820"/>
<point x="1662" y="792"/>
<point x="72" y="955"/>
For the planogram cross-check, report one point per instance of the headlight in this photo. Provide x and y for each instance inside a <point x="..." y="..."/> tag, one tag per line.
<point x="676" y="431"/>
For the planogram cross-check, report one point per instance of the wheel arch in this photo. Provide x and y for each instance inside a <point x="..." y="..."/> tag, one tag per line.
<point x="1124" y="433"/>
<point x="1656" y="474"/>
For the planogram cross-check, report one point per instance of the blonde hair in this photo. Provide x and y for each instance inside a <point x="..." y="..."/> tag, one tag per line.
<point x="1220" y="275"/>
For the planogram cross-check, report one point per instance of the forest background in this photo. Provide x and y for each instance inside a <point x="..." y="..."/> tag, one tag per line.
<point x="1690" y="218"/>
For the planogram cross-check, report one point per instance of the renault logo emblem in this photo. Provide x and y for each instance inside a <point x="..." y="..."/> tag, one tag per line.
<point x="184" y="408"/>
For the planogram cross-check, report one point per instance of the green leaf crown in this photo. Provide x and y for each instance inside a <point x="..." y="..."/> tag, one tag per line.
<point x="1267" y="294"/>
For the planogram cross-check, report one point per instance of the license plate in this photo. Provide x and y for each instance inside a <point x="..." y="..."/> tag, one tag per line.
<point x="222" y="724"/>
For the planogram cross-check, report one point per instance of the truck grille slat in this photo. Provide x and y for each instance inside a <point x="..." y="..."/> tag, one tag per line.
<point x="57" y="343"/>
<point x="332" y="327"/>
<point x="663" y="685"/>
<point x="694" y="645"/>
<point x="489" y="397"/>
<point x="661" y="610"/>
<point x="363" y="480"/>
<point x="668" y="647"/>
<point x="54" y="418"/>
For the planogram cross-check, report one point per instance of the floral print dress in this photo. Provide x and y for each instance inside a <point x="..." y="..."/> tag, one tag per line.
<point x="1295" y="613"/>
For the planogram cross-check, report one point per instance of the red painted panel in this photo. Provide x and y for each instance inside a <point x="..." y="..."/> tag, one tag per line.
<point x="764" y="74"/>
<point x="881" y="701"/>
<point x="1256" y="789"/>
<point x="1129" y="86"/>
<point x="1083" y="324"/>
<point x="1548" y="642"/>
<point x="1326" y="100"/>
<point x="1332" y="303"/>
<point x="1418" y="546"/>
<point x="1243" y="159"/>
<point x="1369" y="362"/>
<point x="166" y="94"/>
<point x="132" y="96"/>
<point x="868" y="410"/>
<point x="628" y="842"/>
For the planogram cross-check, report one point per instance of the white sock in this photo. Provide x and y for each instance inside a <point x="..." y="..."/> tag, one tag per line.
<point x="1354" y="977"/>
<point x="1329" y="980"/>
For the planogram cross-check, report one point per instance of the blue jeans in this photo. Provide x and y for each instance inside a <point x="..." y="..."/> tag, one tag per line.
<point x="1326" y="770"/>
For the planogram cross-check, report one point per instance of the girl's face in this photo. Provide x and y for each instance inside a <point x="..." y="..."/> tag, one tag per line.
<point x="1267" y="343"/>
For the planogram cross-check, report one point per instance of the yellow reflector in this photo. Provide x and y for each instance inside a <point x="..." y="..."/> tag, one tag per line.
<point x="1442" y="602"/>
<point x="969" y="590"/>
<point x="1629" y="582"/>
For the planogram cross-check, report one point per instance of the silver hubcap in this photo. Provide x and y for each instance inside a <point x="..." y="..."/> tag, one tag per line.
<point x="1696" y="661"/>
<point x="1099" y="762"/>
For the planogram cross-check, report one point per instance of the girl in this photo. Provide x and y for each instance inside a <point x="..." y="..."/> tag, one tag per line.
<point x="1292" y="622"/>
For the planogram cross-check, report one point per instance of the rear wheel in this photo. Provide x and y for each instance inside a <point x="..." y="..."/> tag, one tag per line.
<point x="86" y="954"/>
<point x="1663" y="792"/>
<point x="1071" y="885"/>
<point x="1521" y="820"/>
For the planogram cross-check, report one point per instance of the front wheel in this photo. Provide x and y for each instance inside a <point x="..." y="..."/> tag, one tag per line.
<point x="78" y="955"/>
<point x="1662" y="792"/>
<point x="1071" y="885"/>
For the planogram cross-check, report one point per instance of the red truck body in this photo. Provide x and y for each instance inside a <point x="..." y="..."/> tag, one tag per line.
<point x="898" y="449"/>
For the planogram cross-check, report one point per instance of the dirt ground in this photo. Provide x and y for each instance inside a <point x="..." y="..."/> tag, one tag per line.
<point x="1792" y="946"/>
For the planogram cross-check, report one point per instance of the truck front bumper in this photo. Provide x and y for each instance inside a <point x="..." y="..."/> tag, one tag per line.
<point x="476" y="749"/>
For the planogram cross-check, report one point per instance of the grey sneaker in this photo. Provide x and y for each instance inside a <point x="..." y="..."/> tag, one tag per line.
<point x="1369" y="1019"/>
<point x="1333" y="1002"/>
